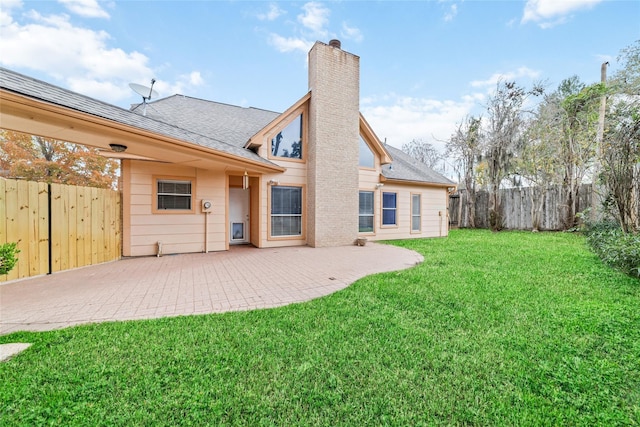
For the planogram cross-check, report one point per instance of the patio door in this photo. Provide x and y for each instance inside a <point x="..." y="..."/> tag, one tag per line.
<point x="238" y="216"/>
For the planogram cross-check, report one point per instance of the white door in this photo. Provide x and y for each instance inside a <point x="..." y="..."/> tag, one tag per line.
<point x="238" y="216"/>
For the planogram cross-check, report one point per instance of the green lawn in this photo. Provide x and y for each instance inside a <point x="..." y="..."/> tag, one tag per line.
<point x="513" y="328"/>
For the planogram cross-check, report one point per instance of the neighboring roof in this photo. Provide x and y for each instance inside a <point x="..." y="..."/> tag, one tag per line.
<point x="39" y="90"/>
<point x="406" y="168"/>
<point x="229" y="123"/>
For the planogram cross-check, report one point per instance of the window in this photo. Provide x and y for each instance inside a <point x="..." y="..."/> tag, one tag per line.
<point x="286" y="211"/>
<point x="366" y="155"/>
<point x="416" y="216"/>
<point x="365" y="219"/>
<point x="288" y="142"/>
<point x="173" y="194"/>
<point x="389" y="209"/>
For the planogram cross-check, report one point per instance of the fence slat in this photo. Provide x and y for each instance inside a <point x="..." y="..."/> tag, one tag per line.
<point x="43" y="228"/>
<point x="72" y="221"/>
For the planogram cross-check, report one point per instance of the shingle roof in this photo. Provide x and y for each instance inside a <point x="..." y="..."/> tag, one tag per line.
<point x="229" y="123"/>
<point x="210" y="124"/>
<point x="406" y="168"/>
<point x="37" y="89"/>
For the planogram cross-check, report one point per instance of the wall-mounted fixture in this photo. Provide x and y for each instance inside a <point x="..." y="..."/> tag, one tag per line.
<point x="118" y="148"/>
<point x="379" y="186"/>
<point x="207" y="206"/>
<point x="245" y="180"/>
<point x="273" y="182"/>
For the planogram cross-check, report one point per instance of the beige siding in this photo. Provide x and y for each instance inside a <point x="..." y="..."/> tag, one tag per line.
<point x="178" y="232"/>
<point x="434" y="222"/>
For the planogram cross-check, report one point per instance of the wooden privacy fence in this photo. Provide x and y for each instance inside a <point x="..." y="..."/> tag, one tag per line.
<point x="59" y="227"/>
<point x="516" y="208"/>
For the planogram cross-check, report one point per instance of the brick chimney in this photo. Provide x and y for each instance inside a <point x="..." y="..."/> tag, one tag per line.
<point x="333" y="145"/>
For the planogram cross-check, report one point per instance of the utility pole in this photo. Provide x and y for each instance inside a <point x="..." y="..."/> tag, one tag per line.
<point x="595" y="193"/>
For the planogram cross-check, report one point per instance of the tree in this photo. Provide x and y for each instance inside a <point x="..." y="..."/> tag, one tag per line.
<point x="464" y="147"/>
<point x="620" y="162"/>
<point x="424" y="152"/>
<point x="505" y="126"/>
<point x="46" y="160"/>
<point x="579" y="123"/>
<point x="538" y="160"/>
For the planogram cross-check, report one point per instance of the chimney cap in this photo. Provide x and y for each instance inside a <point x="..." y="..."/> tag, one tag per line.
<point x="335" y="43"/>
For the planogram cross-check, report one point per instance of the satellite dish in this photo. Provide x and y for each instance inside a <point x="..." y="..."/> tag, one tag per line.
<point x="145" y="92"/>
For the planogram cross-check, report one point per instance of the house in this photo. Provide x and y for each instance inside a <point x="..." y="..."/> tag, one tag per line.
<point x="200" y="176"/>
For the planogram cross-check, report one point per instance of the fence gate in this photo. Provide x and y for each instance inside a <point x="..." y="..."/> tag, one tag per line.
<point x="59" y="227"/>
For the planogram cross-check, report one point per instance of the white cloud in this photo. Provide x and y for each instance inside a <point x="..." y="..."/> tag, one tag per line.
<point x="86" y="8"/>
<point x="548" y="13"/>
<point x="79" y="57"/>
<point x="184" y="85"/>
<point x="453" y="11"/>
<point x="400" y="119"/>
<point x="315" y="17"/>
<point x="520" y="73"/>
<point x="289" y="44"/>
<point x="6" y="9"/>
<point x="195" y="78"/>
<point x="351" y="33"/>
<point x="274" y="13"/>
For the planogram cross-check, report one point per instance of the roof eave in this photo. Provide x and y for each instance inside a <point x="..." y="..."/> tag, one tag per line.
<point x="257" y="140"/>
<point x="415" y="182"/>
<point x="24" y="113"/>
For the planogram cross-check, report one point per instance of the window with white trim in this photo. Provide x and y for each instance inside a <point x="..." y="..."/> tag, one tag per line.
<point x="416" y="213"/>
<point x="286" y="211"/>
<point x="173" y="194"/>
<point x="365" y="218"/>
<point x="389" y="206"/>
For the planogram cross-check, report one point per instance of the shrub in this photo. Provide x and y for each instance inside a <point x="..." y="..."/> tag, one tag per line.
<point x="616" y="248"/>
<point x="8" y="257"/>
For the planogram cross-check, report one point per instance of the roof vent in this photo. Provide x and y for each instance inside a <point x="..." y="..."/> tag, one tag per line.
<point x="335" y="43"/>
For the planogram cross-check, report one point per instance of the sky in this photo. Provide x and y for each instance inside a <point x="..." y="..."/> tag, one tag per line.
<point x="424" y="65"/>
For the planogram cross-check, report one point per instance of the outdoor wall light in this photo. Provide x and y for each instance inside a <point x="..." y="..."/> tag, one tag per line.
<point x="118" y="148"/>
<point x="379" y="186"/>
<point x="273" y="182"/>
<point x="245" y="180"/>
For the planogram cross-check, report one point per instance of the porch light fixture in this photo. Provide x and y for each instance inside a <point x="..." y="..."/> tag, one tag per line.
<point x="273" y="182"/>
<point x="379" y="186"/>
<point x="245" y="180"/>
<point x="118" y="148"/>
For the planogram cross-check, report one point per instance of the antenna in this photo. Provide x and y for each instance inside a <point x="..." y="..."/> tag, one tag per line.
<point x="145" y="92"/>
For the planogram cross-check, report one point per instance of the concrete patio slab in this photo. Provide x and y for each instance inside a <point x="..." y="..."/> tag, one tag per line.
<point x="243" y="278"/>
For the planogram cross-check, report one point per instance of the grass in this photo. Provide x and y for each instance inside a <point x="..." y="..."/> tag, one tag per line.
<point x="512" y="328"/>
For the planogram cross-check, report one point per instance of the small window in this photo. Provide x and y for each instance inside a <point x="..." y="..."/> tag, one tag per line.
<point x="286" y="211"/>
<point x="288" y="142"/>
<point x="416" y="213"/>
<point x="389" y="209"/>
<point x="366" y="155"/>
<point x="365" y="219"/>
<point x="174" y="195"/>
